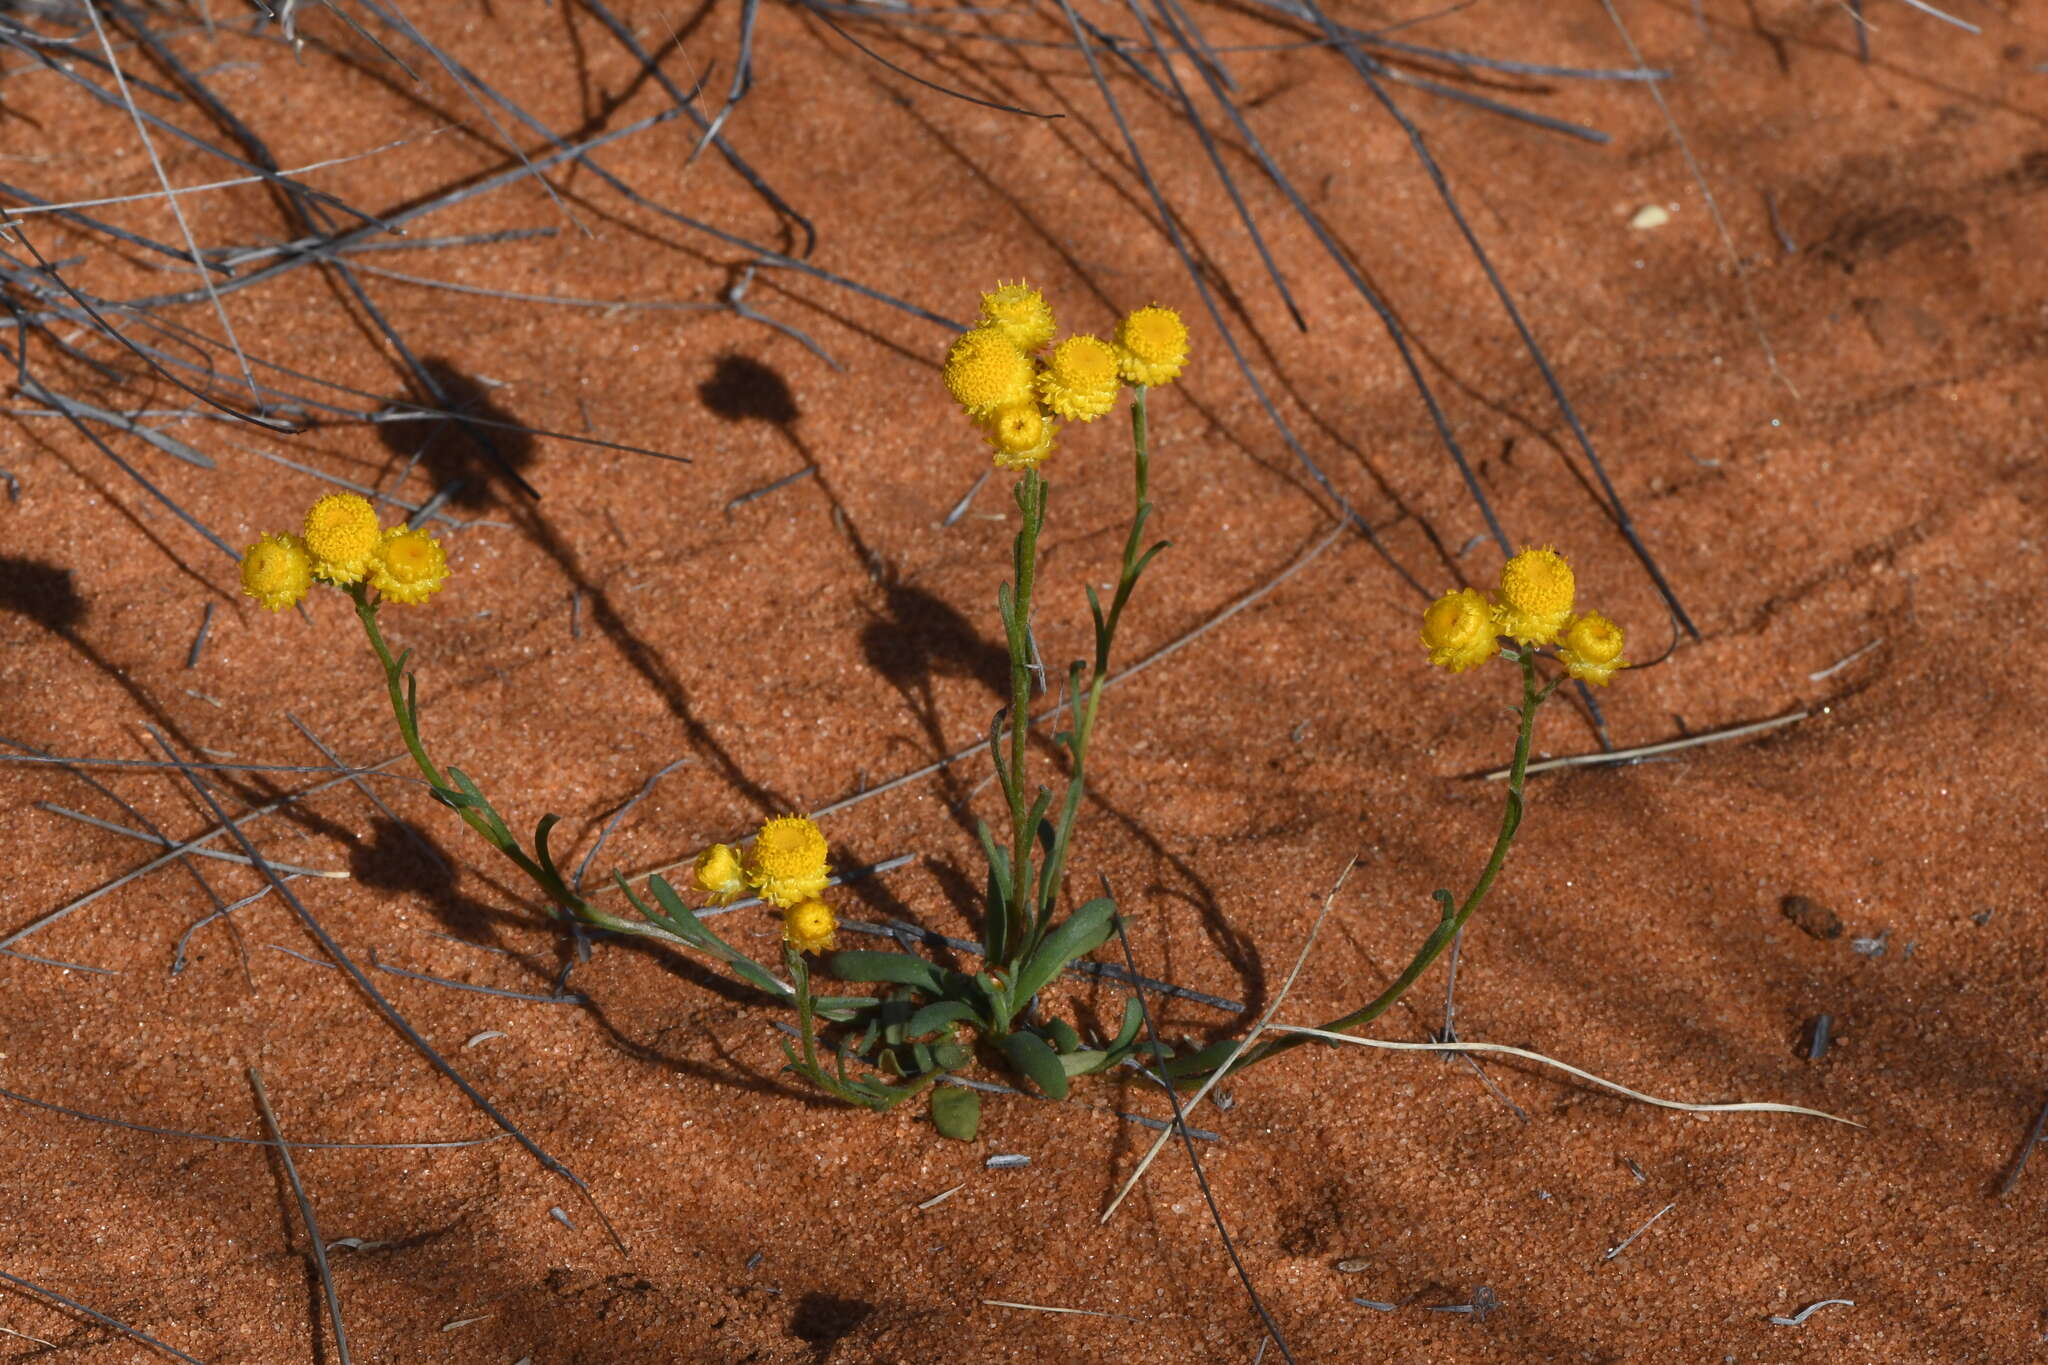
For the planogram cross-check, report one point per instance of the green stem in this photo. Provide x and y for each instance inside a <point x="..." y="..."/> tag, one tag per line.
<point x="1085" y="712"/>
<point x="1453" y="917"/>
<point x="403" y="712"/>
<point x="1031" y="502"/>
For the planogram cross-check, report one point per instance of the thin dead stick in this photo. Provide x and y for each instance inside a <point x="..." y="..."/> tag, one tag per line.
<point x="75" y="1306"/>
<point x="1668" y="746"/>
<point x="291" y="1171"/>
<point x="1180" y="1113"/>
<point x="219" y="855"/>
<point x="1465" y="1045"/>
<point x="1220" y="1072"/>
<point x="221" y="184"/>
<point x="171" y="197"/>
<point x="2019" y="1165"/>
<point x="1623" y="1244"/>
<point x="1043" y="1308"/>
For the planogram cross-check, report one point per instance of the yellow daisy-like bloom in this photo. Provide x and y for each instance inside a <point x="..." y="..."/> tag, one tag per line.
<point x="1151" y="345"/>
<point x="1020" y="313"/>
<point x="1535" y="598"/>
<point x="341" y="535"/>
<point x="1458" y="630"/>
<point x="1082" y="380"/>
<point x="719" y="875"/>
<point x="408" y="567"/>
<point x="1021" y="435"/>
<point x="809" y="927"/>
<point x="1591" y="648"/>
<point x="787" y="861"/>
<point x="277" y="571"/>
<point x="986" y="370"/>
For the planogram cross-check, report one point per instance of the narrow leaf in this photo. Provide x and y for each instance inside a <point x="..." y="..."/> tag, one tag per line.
<point x="1032" y="1057"/>
<point x="901" y="968"/>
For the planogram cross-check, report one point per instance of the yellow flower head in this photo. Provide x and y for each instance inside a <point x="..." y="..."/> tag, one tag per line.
<point x="1151" y="345"/>
<point x="1591" y="648"/>
<point x="718" y="874"/>
<point x="1535" y="598"/>
<point x="277" y="571"/>
<point x="1020" y="313"/>
<point x="986" y="370"/>
<point x="787" y="861"/>
<point x="1458" y="630"/>
<point x="1081" y="381"/>
<point x="408" y="566"/>
<point x="341" y="535"/>
<point x="809" y="926"/>
<point x="1021" y="435"/>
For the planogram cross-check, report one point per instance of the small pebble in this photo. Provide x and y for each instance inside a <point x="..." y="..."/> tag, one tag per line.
<point x="1004" y="1163"/>
<point x="1650" y="216"/>
<point x="1811" y="918"/>
<point x="1353" y="1265"/>
<point x="1871" y="947"/>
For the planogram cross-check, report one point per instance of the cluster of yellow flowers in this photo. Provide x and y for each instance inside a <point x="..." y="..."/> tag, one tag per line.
<point x="1533" y="606"/>
<point x="786" y="867"/>
<point x="343" y="544"/>
<point x="1017" y="398"/>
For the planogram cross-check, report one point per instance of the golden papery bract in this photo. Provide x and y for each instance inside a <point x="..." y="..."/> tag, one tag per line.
<point x="409" y="566"/>
<point x="985" y="370"/>
<point x="1535" y="597"/>
<point x="1457" y="629"/>
<point x="1021" y="435"/>
<point x="787" y="862"/>
<point x="1082" y="379"/>
<point x="341" y="535"/>
<point x="809" y="926"/>
<point x="1151" y="345"/>
<point x="1020" y="313"/>
<point x="277" y="571"/>
<point x="1591" y="648"/>
<point x="719" y="874"/>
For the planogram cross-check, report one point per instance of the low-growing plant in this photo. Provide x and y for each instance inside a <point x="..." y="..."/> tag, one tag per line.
<point x="924" y="1021"/>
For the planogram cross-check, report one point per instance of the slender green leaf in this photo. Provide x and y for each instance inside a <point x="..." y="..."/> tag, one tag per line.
<point x="679" y="921"/>
<point x="1076" y="936"/>
<point x="1032" y="1057"/>
<point x="901" y="968"/>
<point x="956" y="1112"/>
<point x="540" y="847"/>
<point x="1063" y="1036"/>
<point x="937" y="1015"/>
<point x="1084" y="1063"/>
<point x="1134" y="1019"/>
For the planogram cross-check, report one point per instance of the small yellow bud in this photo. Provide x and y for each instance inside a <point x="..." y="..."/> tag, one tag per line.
<point x="1020" y="313"/>
<point x="341" y="535"/>
<point x="1591" y="649"/>
<point x="277" y="571"/>
<point x="1457" y="629"/>
<point x="1082" y="379"/>
<point x="809" y="926"/>
<point x="1151" y="345"/>
<point x="1535" y="598"/>
<point x="718" y="874"/>
<point x="1021" y="435"/>
<point x="985" y="370"/>
<point x="408" y="566"/>
<point x="787" y="862"/>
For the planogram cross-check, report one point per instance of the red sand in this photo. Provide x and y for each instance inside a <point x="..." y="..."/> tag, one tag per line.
<point x="1885" y="490"/>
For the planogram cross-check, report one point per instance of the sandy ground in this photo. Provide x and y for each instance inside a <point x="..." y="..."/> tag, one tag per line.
<point x="1826" y="427"/>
